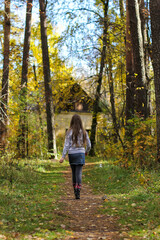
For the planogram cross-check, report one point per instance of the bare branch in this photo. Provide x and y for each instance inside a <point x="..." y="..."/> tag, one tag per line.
<point x="90" y="10"/>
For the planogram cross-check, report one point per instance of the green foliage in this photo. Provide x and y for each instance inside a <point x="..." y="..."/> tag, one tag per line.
<point x="11" y="172"/>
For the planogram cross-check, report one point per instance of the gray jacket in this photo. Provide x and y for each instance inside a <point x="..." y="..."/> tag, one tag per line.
<point x="71" y="148"/>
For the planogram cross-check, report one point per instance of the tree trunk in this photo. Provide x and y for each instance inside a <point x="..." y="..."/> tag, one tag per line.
<point x="38" y="103"/>
<point x="138" y="54"/>
<point x="47" y="82"/>
<point x="5" y="81"/>
<point x="141" y="11"/>
<point x="121" y="5"/>
<point x="129" y="77"/>
<point x="99" y="83"/>
<point x="116" y="134"/>
<point x="22" y="141"/>
<point x="39" y="110"/>
<point x="146" y="44"/>
<point x="112" y="101"/>
<point x="155" y="27"/>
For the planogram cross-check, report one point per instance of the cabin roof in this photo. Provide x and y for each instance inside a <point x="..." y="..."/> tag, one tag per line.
<point x="74" y="98"/>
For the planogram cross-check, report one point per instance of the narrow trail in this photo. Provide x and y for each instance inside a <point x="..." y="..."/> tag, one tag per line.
<point x="83" y="218"/>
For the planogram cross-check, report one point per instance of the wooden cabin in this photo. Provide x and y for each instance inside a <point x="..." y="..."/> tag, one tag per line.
<point x="73" y="100"/>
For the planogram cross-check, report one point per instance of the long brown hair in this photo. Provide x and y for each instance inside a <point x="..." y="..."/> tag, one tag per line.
<point x="76" y="125"/>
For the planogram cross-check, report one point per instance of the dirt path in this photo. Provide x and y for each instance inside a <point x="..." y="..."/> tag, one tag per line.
<point x="83" y="218"/>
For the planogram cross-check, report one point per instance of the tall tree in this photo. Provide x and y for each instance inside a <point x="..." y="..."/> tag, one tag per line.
<point x="144" y="16"/>
<point x="100" y="75"/>
<point x="22" y="140"/>
<point x="5" y="78"/>
<point x="47" y="81"/>
<point x="112" y="95"/>
<point x="111" y="84"/>
<point x="138" y="54"/>
<point x="129" y="76"/>
<point x="38" y="107"/>
<point x="155" y="27"/>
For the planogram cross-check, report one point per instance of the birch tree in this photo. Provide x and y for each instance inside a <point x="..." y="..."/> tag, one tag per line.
<point x="155" y="27"/>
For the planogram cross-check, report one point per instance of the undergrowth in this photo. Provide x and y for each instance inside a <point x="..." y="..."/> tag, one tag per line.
<point x="29" y="202"/>
<point x="131" y="195"/>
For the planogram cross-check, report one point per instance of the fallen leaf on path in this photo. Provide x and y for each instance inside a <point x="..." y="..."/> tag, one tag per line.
<point x="102" y="238"/>
<point x="63" y="226"/>
<point x="133" y="204"/>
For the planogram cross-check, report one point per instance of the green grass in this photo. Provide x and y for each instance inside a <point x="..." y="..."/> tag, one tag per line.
<point x="28" y="203"/>
<point x="132" y="195"/>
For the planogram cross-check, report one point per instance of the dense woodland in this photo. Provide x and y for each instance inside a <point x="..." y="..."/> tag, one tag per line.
<point x="110" y="47"/>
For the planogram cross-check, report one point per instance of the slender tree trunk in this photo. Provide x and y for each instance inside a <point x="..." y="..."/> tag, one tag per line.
<point x="155" y="27"/>
<point x="129" y="77"/>
<point x="121" y="5"/>
<point x="112" y="97"/>
<point x="38" y="103"/>
<point x="99" y="83"/>
<point x="146" y="44"/>
<point x="141" y="10"/>
<point x="22" y="141"/>
<point x="138" y="54"/>
<point x="112" y="101"/>
<point x="39" y="110"/>
<point x="5" y="81"/>
<point x="47" y="82"/>
<point x="123" y="18"/>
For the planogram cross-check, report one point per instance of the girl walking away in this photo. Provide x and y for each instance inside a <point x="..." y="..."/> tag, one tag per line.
<point x="77" y="144"/>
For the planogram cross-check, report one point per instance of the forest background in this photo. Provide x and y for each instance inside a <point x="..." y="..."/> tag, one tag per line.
<point x="111" y="48"/>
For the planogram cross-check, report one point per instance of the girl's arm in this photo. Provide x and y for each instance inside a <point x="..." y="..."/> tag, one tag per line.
<point x="66" y="147"/>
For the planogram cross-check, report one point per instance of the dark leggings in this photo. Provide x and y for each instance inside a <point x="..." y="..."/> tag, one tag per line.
<point x="77" y="174"/>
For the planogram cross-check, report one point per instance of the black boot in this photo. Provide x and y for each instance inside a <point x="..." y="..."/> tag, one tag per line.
<point x="78" y="193"/>
<point x="75" y="192"/>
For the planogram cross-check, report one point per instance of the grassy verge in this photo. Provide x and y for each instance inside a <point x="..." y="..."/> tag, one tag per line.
<point x="29" y="193"/>
<point x="132" y="196"/>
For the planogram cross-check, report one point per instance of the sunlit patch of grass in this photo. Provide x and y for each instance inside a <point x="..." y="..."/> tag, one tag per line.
<point x="133" y="196"/>
<point x="29" y="207"/>
<point x="49" y="235"/>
